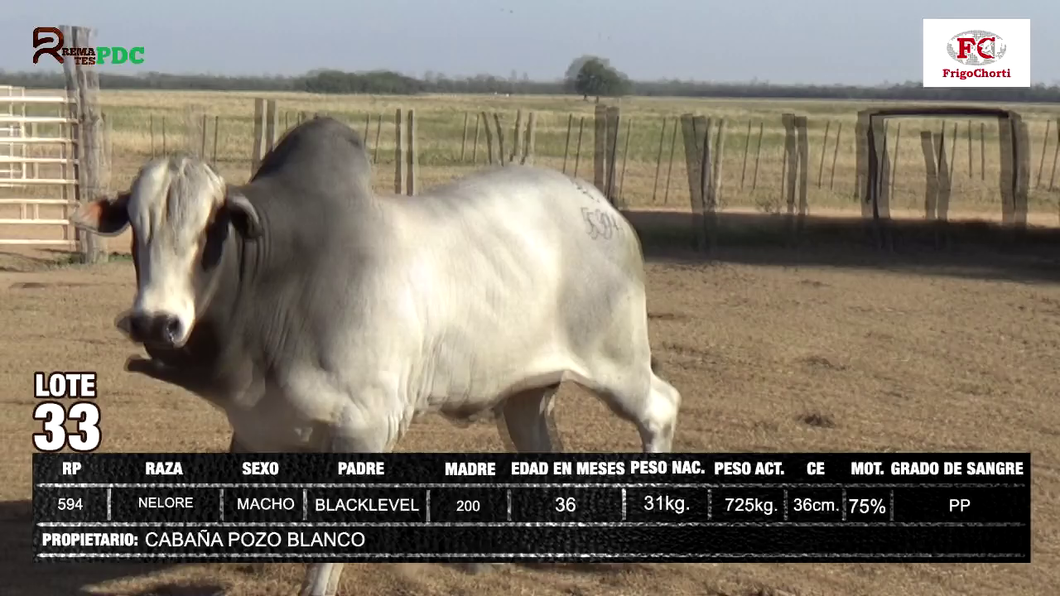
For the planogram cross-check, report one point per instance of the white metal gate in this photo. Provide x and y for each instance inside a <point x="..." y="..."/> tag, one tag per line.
<point x="38" y="174"/>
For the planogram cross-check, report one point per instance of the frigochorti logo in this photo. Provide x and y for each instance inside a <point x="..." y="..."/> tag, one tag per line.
<point x="976" y="49"/>
<point x="977" y="53"/>
<point x="54" y="45"/>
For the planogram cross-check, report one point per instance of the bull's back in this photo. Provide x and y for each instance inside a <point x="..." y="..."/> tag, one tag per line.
<point x="526" y="200"/>
<point x="528" y="227"/>
<point x="517" y="263"/>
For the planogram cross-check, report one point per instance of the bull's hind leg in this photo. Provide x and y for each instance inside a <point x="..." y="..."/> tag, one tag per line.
<point x="642" y="397"/>
<point x="528" y="423"/>
<point x="528" y="427"/>
<point x="658" y="417"/>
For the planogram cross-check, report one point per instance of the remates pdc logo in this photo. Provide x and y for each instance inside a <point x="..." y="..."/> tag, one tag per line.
<point x="976" y="47"/>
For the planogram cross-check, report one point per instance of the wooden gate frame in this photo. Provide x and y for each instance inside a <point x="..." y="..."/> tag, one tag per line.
<point x="1014" y="154"/>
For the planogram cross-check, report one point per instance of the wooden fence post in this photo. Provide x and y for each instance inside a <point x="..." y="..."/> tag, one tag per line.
<point x="489" y="138"/>
<point x="791" y="163"/>
<point x="670" y="167"/>
<point x="413" y="159"/>
<point x="835" y="155"/>
<point x="272" y="125"/>
<point x="375" y="146"/>
<point x="600" y="147"/>
<point x="474" y="148"/>
<point x="758" y="154"/>
<point x="500" y="138"/>
<point x="1056" y="153"/>
<point x="257" y="151"/>
<point x="931" y="187"/>
<point x="747" y="146"/>
<point x="1022" y="167"/>
<point x="804" y="167"/>
<point x="824" y="145"/>
<point x="613" y="121"/>
<point x="945" y="174"/>
<point x="691" y="126"/>
<point x="953" y="149"/>
<point x="658" y="161"/>
<point x="399" y="152"/>
<point x="883" y="168"/>
<point x="531" y="139"/>
<point x="463" y="141"/>
<point x="216" y="127"/>
<point x="938" y="182"/>
<point x="1008" y="174"/>
<point x="625" y="160"/>
<point x="91" y="172"/>
<point x="578" y="151"/>
<point x="982" y="150"/>
<point x="719" y="162"/>
<point x="517" y="139"/>
<point x="202" y="147"/>
<point x="566" y="146"/>
<point x="706" y="186"/>
<point x="1041" y="162"/>
<point x="897" y="155"/>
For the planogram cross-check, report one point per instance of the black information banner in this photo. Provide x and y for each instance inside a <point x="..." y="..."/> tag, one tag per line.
<point x="910" y="507"/>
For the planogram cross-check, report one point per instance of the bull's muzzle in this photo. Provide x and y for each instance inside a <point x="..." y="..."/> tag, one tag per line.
<point x="158" y="329"/>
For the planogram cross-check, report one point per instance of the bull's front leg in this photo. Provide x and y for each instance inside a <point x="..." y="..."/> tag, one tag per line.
<point x="367" y="421"/>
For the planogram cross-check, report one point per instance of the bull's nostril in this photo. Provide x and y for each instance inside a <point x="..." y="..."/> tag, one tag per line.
<point x="172" y="329"/>
<point x="138" y="326"/>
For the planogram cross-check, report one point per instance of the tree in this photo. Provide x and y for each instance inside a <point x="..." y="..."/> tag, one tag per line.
<point x="576" y="67"/>
<point x="598" y="79"/>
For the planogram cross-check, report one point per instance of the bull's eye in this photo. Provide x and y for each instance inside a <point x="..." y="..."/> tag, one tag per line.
<point x="211" y="243"/>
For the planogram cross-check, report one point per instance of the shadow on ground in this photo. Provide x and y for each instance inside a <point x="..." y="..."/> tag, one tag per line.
<point x="968" y="249"/>
<point x="975" y="249"/>
<point x="20" y="575"/>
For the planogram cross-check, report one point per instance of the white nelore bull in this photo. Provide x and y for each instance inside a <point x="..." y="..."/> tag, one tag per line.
<point x="320" y="317"/>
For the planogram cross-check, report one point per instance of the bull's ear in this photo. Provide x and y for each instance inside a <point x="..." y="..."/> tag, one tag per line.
<point x="106" y="216"/>
<point x="243" y="214"/>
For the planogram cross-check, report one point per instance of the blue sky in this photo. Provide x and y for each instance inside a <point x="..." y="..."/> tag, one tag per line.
<point x="807" y="41"/>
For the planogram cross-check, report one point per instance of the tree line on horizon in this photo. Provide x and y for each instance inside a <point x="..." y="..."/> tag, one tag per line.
<point x="588" y="76"/>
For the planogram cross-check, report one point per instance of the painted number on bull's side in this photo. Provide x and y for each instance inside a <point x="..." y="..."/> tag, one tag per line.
<point x="55" y="437"/>
<point x="599" y="223"/>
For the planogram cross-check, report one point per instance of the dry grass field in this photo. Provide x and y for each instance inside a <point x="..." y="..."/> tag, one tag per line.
<point x="137" y="120"/>
<point x="440" y="123"/>
<point x="827" y="348"/>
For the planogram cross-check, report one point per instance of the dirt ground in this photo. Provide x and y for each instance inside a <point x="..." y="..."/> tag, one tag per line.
<point x="879" y="353"/>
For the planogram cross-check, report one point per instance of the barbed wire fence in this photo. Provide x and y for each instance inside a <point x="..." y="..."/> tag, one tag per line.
<point x="785" y="167"/>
